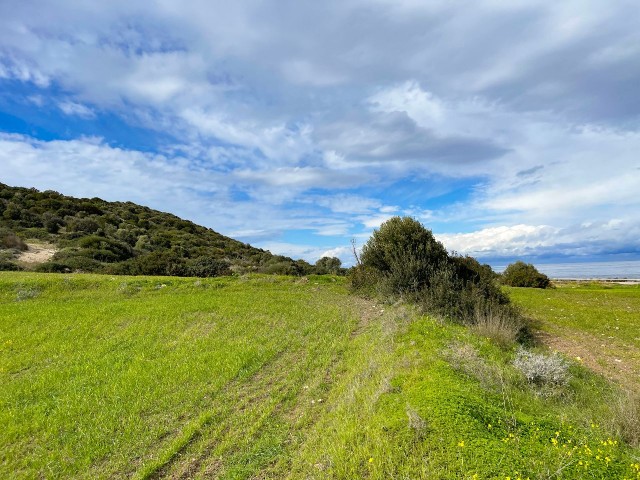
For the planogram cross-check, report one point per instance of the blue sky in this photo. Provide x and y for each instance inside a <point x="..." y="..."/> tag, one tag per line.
<point x="511" y="129"/>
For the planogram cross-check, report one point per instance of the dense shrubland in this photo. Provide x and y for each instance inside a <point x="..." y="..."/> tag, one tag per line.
<point x="93" y="235"/>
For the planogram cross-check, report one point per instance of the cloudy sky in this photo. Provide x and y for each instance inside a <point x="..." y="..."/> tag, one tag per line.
<point x="509" y="128"/>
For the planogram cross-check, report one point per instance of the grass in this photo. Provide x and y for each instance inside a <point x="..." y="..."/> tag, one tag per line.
<point x="270" y="377"/>
<point x="600" y="323"/>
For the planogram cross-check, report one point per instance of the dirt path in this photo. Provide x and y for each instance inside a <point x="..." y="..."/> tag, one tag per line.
<point x="617" y="362"/>
<point x="37" y="253"/>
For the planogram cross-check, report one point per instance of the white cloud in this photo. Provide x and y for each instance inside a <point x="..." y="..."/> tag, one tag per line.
<point x="77" y="109"/>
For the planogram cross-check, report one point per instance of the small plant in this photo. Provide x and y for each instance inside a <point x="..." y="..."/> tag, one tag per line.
<point x="26" y="294"/>
<point x="626" y="418"/>
<point x="466" y="359"/>
<point x="498" y="325"/>
<point x="416" y="422"/>
<point x="540" y="369"/>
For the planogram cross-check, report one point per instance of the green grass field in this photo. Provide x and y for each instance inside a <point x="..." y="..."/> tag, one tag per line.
<point x="273" y="377"/>
<point x="598" y="322"/>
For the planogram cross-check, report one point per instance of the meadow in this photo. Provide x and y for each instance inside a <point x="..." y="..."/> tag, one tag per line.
<point x="276" y="377"/>
<point x="597" y="322"/>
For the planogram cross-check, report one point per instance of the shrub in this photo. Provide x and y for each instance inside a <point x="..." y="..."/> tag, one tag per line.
<point x="53" y="224"/>
<point x="105" y="249"/>
<point x="53" y="267"/>
<point x="540" y="369"/>
<point x="520" y="274"/>
<point x="363" y="280"/>
<point x="208" y="267"/>
<point x="157" y="263"/>
<point x="328" y="265"/>
<point x="405" y="254"/>
<point x="83" y="225"/>
<point x="11" y="240"/>
<point x="403" y="258"/>
<point x="7" y="266"/>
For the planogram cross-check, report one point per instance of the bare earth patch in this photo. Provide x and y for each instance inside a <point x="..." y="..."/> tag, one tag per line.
<point x="37" y="253"/>
<point x="598" y="355"/>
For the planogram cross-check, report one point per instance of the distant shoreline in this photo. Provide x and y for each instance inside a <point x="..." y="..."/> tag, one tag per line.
<point x="613" y="271"/>
<point x="622" y="281"/>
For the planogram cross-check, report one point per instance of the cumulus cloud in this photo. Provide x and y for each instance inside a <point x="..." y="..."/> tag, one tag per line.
<point x="617" y="236"/>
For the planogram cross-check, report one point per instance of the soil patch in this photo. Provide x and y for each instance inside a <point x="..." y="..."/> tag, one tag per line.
<point x="593" y="352"/>
<point x="37" y="253"/>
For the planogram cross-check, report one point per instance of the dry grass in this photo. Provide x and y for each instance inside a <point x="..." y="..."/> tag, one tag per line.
<point x="625" y="420"/>
<point x="466" y="359"/>
<point x="499" y="326"/>
<point x="416" y="423"/>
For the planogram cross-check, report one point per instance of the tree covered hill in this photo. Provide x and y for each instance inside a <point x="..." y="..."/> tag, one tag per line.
<point x="93" y="235"/>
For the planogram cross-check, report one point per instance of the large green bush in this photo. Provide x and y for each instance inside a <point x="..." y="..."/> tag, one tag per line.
<point x="402" y="258"/>
<point x="520" y="274"/>
<point x="405" y="254"/>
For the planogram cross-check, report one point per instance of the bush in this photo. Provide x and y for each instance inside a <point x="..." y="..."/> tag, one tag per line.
<point x="328" y="265"/>
<point x="11" y="240"/>
<point x="208" y="267"/>
<point x="53" y="267"/>
<point x="105" y="249"/>
<point x="540" y="369"/>
<point x="520" y="274"/>
<point x="405" y="254"/>
<point x="403" y="258"/>
<point x="7" y="266"/>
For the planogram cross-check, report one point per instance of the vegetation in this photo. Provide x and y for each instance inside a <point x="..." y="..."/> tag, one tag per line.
<point x="273" y="377"/>
<point x="603" y="317"/>
<point x="328" y="265"/>
<point x="520" y="274"/>
<point x="402" y="259"/>
<point x="597" y="324"/>
<point x="92" y="235"/>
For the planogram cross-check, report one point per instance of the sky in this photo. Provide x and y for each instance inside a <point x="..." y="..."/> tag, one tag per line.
<point x="510" y="129"/>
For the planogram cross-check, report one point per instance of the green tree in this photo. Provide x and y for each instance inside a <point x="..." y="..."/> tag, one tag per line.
<point x="328" y="265"/>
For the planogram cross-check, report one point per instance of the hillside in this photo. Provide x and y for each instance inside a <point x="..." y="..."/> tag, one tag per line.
<point x="93" y="235"/>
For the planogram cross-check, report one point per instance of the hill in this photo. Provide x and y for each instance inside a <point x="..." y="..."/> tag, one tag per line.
<point x="93" y="235"/>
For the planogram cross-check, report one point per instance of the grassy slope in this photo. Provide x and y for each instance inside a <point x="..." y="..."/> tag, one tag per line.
<point x="599" y="322"/>
<point x="107" y="377"/>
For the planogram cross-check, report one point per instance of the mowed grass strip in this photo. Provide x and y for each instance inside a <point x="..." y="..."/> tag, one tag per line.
<point x="109" y="376"/>
<point x="598" y="322"/>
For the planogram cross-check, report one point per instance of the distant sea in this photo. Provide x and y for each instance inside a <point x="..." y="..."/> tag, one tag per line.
<point x="591" y="270"/>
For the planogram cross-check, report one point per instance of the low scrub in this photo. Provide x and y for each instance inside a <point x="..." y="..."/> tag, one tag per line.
<point x="540" y="369"/>
<point x="10" y="240"/>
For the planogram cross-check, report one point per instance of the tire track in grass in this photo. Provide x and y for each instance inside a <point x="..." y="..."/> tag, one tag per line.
<point x="273" y="402"/>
